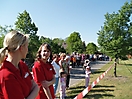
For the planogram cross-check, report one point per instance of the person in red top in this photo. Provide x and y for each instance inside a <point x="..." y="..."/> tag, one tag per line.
<point x="16" y="81"/>
<point x="44" y="73"/>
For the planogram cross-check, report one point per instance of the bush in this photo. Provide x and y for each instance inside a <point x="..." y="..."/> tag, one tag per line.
<point x="124" y="58"/>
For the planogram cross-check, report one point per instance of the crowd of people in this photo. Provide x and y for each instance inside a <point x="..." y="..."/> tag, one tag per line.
<point x="48" y="70"/>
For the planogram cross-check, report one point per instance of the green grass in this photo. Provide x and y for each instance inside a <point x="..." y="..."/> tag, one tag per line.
<point x="109" y="87"/>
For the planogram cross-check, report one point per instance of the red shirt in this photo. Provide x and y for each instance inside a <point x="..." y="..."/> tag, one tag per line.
<point x="15" y="83"/>
<point x="41" y="72"/>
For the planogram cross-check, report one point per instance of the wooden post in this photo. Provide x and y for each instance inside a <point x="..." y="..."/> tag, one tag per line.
<point x="115" y="69"/>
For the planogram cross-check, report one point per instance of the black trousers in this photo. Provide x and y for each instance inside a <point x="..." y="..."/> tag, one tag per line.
<point x="67" y="80"/>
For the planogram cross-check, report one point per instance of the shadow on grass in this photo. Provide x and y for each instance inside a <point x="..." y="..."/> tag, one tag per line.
<point x="128" y="64"/>
<point x="118" y="76"/>
<point x="77" y="87"/>
<point x="98" y="96"/>
<point x="97" y="71"/>
<point x="74" y="91"/>
<point x="101" y="90"/>
<point x="98" y="86"/>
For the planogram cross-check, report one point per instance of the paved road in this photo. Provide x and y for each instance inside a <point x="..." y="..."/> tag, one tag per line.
<point x="77" y="74"/>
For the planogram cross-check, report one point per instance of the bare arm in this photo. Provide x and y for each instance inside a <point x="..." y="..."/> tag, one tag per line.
<point x="47" y="92"/>
<point x="46" y="85"/>
<point x="52" y="81"/>
<point x="34" y="91"/>
<point x="60" y="63"/>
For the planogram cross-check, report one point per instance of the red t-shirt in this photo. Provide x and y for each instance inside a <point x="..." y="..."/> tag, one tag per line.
<point x="15" y="83"/>
<point x="41" y="72"/>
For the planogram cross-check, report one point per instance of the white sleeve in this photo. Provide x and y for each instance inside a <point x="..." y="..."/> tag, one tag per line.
<point x="56" y="66"/>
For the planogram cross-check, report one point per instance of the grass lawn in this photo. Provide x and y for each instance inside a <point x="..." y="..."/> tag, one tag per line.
<point x="109" y="87"/>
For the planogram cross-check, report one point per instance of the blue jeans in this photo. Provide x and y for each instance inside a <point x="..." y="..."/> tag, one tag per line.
<point x="56" y="84"/>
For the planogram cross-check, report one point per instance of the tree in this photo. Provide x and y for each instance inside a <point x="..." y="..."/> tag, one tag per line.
<point x="74" y="43"/>
<point x="84" y="46"/>
<point x="3" y="31"/>
<point x="58" y="41"/>
<point x="91" y="48"/>
<point x="115" y="36"/>
<point x="56" y="48"/>
<point x="25" y="25"/>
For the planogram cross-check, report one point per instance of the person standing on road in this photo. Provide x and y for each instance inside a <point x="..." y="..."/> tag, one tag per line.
<point x="86" y="63"/>
<point x="69" y="66"/>
<point x="62" y="62"/>
<point x="78" y="59"/>
<point x="87" y="76"/>
<point x="63" y="84"/>
<point x="16" y="81"/>
<point x="44" y="73"/>
<point x="74" y="60"/>
<point x="56" y="68"/>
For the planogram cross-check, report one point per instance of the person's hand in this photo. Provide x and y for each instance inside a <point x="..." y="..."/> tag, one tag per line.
<point x="45" y="84"/>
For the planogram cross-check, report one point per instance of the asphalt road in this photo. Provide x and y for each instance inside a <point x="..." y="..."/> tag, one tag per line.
<point x="77" y="73"/>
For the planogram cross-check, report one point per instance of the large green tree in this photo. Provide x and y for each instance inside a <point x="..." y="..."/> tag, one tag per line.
<point x="74" y="43"/>
<point x="25" y="25"/>
<point x="115" y="36"/>
<point x="91" y="48"/>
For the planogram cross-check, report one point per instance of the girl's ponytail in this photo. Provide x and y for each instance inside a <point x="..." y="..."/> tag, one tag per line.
<point x="3" y="52"/>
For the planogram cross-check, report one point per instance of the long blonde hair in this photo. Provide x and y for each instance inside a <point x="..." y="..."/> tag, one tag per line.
<point x="12" y="41"/>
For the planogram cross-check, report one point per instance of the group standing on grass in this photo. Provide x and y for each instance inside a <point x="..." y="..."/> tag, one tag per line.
<point x="16" y="81"/>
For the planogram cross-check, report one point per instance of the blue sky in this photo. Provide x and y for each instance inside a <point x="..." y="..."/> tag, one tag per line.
<point x="60" y="18"/>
